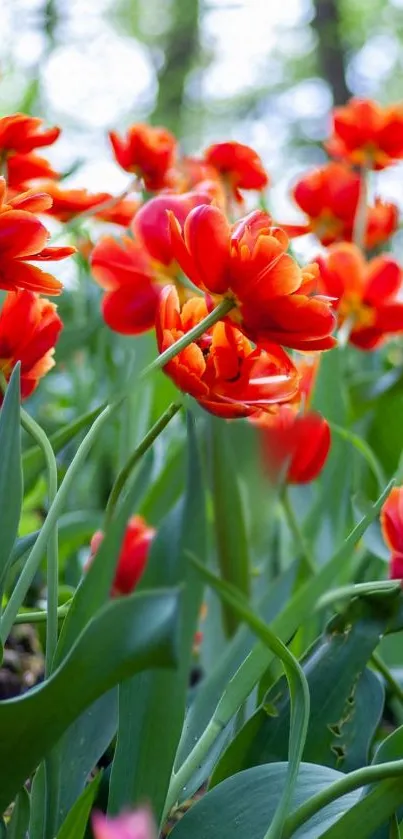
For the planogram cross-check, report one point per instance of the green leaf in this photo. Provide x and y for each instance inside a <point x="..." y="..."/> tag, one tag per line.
<point x="235" y="653"/>
<point x="82" y="745"/>
<point x="75" y="823"/>
<point x="19" y="822"/>
<point x="128" y="635"/>
<point x="298" y="689"/>
<point x="74" y="528"/>
<point x="11" y="487"/>
<point x="96" y="584"/>
<point x="152" y="706"/>
<point x="369" y="813"/>
<point x="229" y="518"/>
<point x="33" y="460"/>
<point x="243" y="806"/>
<point x="332" y="667"/>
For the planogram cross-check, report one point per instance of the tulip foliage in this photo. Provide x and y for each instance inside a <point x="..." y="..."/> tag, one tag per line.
<point x="201" y="493"/>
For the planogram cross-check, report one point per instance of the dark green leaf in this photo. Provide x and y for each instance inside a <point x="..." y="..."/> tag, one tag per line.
<point x="332" y="668"/>
<point x="95" y="587"/>
<point x="82" y="746"/>
<point x="11" y="487"/>
<point x="19" y="822"/>
<point x="152" y="706"/>
<point x="229" y="518"/>
<point x="75" y="823"/>
<point x="128" y="635"/>
<point x="243" y="806"/>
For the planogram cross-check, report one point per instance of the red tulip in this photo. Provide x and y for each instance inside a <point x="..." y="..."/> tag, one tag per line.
<point x="147" y="151"/>
<point x="29" y="330"/>
<point x="295" y="446"/>
<point x="392" y="530"/>
<point x="367" y="134"/>
<point x="364" y="292"/>
<point x="133" y="554"/>
<point x="221" y="370"/>
<point x="239" y="165"/>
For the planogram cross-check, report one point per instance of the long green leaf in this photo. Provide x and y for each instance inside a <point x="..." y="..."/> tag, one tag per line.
<point x="229" y="517"/>
<point x="74" y="826"/>
<point x="128" y="635"/>
<point x="298" y="687"/>
<point x="11" y="487"/>
<point x="19" y="822"/>
<point x="33" y="460"/>
<point x="152" y="706"/>
<point x="242" y="806"/>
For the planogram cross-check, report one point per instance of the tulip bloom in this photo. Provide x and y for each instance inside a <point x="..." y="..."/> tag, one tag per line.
<point x="221" y="370"/>
<point x="133" y="555"/>
<point x="329" y="196"/>
<point x="366" y="134"/>
<point x="364" y="292"/>
<point x="295" y="446"/>
<point x="20" y="133"/>
<point x="23" y="237"/>
<point x="124" y="269"/>
<point x="136" y="825"/>
<point x="151" y="227"/>
<point x="239" y="165"/>
<point x="22" y="169"/>
<point x="148" y="152"/>
<point x="274" y="300"/>
<point x="29" y="329"/>
<point x="392" y="531"/>
<point x="68" y="203"/>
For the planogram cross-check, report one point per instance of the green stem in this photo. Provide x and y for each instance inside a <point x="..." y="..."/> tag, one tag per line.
<point x="217" y="314"/>
<point x="383" y="669"/>
<point x="40" y="616"/>
<point x="54" y="512"/>
<point x="297" y="533"/>
<point x="360" y="219"/>
<point x="357" y="590"/>
<point x="145" y="444"/>
<point x="350" y="782"/>
<point x="39" y="436"/>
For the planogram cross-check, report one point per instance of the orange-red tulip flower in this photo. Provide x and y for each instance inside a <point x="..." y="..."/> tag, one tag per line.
<point x="22" y="169"/>
<point x="364" y="292"/>
<point x="367" y="134"/>
<point x="329" y="196"/>
<point x="151" y="227"/>
<point x="221" y="370"/>
<point x="32" y="201"/>
<point x="23" y="237"/>
<point x="68" y="203"/>
<point x="29" y="329"/>
<point x="123" y="268"/>
<point x="239" y="165"/>
<point x="133" y="554"/>
<point x="20" y="133"/>
<point x="392" y="530"/>
<point x="295" y="446"/>
<point x="274" y="299"/>
<point x="148" y="152"/>
<point x="138" y="824"/>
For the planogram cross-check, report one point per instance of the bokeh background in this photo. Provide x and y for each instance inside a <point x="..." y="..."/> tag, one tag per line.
<point x="265" y="73"/>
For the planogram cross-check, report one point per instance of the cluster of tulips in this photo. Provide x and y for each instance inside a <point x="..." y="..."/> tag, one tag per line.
<point x="239" y="324"/>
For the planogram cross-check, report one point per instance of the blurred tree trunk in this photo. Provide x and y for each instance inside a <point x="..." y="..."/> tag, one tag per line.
<point x="326" y="24"/>
<point x="181" y="48"/>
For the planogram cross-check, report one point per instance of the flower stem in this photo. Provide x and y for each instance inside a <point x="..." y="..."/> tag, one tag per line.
<point x="350" y="782"/>
<point x="39" y="436"/>
<point x="360" y="219"/>
<point x="40" y="616"/>
<point x="54" y="512"/>
<point x="298" y="536"/>
<point x="217" y="314"/>
<point x="145" y="444"/>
